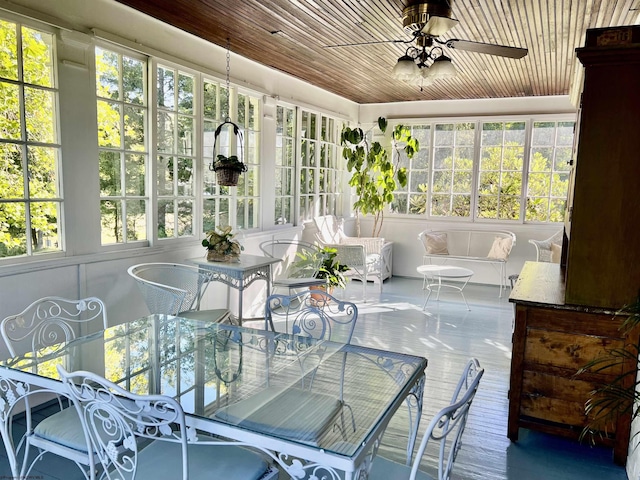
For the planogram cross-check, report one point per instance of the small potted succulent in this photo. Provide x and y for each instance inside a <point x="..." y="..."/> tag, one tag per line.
<point x="221" y="246"/>
<point x="228" y="170"/>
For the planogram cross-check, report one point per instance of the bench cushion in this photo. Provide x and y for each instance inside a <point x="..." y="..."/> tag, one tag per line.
<point x="500" y="248"/>
<point x="436" y="243"/>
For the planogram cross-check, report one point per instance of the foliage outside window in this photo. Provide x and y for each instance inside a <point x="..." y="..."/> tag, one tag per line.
<point x="122" y="112"/>
<point x="319" y="166"/>
<point x="551" y="147"/>
<point x="285" y="165"/>
<point x="30" y="187"/>
<point x="238" y="206"/>
<point x="176" y="152"/>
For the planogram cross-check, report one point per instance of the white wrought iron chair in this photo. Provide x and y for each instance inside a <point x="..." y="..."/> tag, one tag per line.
<point x="145" y="436"/>
<point x="446" y="428"/>
<point x="311" y="314"/>
<point x="175" y="289"/>
<point x="545" y="249"/>
<point x="300" y="264"/>
<point x="46" y="323"/>
<point x="65" y="437"/>
<point x="379" y="253"/>
<point x="314" y="314"/>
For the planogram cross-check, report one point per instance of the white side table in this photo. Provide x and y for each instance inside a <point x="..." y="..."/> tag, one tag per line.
<point x="433" y="275"/>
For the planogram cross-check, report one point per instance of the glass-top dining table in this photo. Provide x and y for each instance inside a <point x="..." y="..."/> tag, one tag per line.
<point x="317" y="408"/>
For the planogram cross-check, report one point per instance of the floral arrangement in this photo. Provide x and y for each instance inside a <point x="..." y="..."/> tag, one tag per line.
<point x="220" y="241"/>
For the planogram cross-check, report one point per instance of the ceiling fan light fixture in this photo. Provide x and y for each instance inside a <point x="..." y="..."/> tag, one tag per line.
<point x="442" y="67"/>
<point x="437" y="26"/>
<point x="406" y="69"/>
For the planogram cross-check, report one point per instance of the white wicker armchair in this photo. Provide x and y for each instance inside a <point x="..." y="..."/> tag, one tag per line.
<point x="545" y="250"/>
<point x="378" y="252"/>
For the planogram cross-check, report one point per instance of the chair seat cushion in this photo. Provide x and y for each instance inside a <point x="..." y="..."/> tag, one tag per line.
<point x="64" y="428"/>
<point x="385" y="469"/>
<point x="287" y="412"/>
<point x="162" y="460"/>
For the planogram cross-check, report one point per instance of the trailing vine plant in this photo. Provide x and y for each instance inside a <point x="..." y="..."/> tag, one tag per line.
<point x="373" y="175"/>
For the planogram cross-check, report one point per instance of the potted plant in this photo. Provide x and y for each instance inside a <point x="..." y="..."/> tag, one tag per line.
<point x="221" y="246"/>
<point x="373" y="175"/>
<point x="228" y="170"/>
<point x="331" y="269"/>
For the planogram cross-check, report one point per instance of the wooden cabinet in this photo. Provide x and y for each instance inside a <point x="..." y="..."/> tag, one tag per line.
<point x="551" y="342"/>
<point x="603" y="254"/>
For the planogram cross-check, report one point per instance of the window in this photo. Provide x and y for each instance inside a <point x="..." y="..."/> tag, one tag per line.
<point x="285" y="165"/>
<point x="488" y="170"/>
<point x="452" y="170"/>
<point x="413" y="198"/>
<point x="176" y="127"/>
<point x="551" y="146"/>
<point x="501" y="168"/>
<point x="319" y="166"/>
<point x="31" y="199"/>
<point x="238" y="206"/>
<point x="122" y="111"/>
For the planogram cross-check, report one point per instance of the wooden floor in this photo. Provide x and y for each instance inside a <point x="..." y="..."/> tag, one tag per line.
<point x="447" y="334"/>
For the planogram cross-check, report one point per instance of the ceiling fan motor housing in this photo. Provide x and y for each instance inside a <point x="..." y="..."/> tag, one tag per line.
<point x="416" y="15"/>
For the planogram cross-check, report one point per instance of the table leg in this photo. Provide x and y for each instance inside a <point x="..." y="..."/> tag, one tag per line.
<point x="414" y="399"/>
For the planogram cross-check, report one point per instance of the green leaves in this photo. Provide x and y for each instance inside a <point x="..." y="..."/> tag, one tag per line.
<point x="374" y="175"/>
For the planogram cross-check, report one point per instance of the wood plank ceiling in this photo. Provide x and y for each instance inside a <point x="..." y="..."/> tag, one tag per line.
<point x="292" y="35"/>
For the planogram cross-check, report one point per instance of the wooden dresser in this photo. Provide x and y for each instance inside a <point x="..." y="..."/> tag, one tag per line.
<point x="551" y="341"/>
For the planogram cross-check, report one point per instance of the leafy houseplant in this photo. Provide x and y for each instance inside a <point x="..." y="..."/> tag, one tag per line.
<point x="331" y="269"/>
<point x="221" y="246"/>
<point x="374" y="176"/>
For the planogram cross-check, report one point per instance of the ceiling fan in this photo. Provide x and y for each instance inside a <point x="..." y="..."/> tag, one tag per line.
<point x="424" y="60"/>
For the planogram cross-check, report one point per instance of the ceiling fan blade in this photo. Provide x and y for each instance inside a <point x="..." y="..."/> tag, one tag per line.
<point x="488" y="48"/>
<point x="366" y="43"/>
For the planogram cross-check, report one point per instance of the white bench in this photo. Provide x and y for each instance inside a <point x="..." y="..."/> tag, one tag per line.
<point x="486" y="246"/>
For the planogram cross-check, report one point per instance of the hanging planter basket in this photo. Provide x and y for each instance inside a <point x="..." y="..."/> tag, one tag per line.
<point x="228" y="169"/>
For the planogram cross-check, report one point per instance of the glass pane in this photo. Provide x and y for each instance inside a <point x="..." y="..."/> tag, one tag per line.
<point x="43" y="172"/>
<point x="134" y="122"/>
<point x="488" y="206"/>
<point x="110" y="174"/>
<point x="440" y="204"/>
<point x="208" y="139"/>
<point x="465" y="134"/>
<point x="514" y="133"/>
<point x="10" y="120"/>
<point x="185" y="176"/>
<point x="185" y="93"/>
<point x="136" y="220"/>
<point x="559" y="185"/>
<point x="565" y="133"/>
<point x="557" y="207"/>
<point x="442" y="181"/>
<point x="107" y="74"/>
<point x="185" y="135"/>
<point x="463" y="158"/>
<point x="109" y="134"/>
<point x="513" y="158"/>
<point x="537" y="209"/>
<point x="210" y="94"/>
<point x="12" y="172"/>
<point x="9" y="42"/>
<point x="442" y="158"/>
<point x="492" y="133"/>
<point x="539" y="184"/>
<point x="40" y="112"/>
<point x="185" y="218"/>
<point x="461" y="182"/>
<point x="563" y="157"/>
<point x="44" y="223"/>
<point x="13" y="237"/>
<point x="461" y="206"/>
<point x="165" y="132"/>
<point x="242" y="110"/>
<point x="164" y="167"/>
<point x="541" y="159"/>
<point x="37" y="57"/>
<point x="133" y="80"/>
<point x="166" y="88"/>
<point x="543" y="133"/>
<point x="135" y="169"/>
<point x="444" y="135"/>
<point x="166" y="227"/>
<point x="111" y="220"/>
<point x="491" y="158"/>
